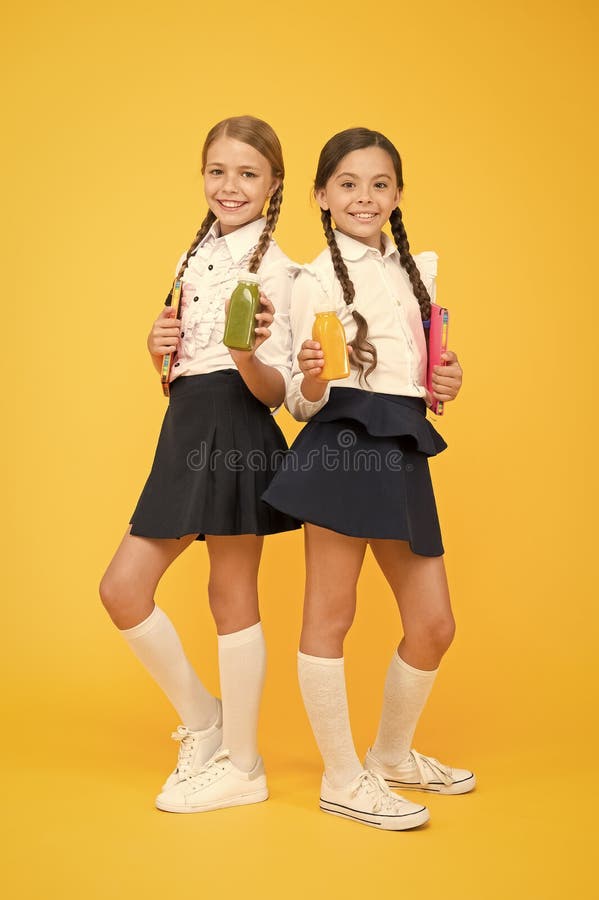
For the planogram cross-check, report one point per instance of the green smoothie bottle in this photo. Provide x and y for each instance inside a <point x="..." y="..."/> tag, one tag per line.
<point x="241" y="317"/>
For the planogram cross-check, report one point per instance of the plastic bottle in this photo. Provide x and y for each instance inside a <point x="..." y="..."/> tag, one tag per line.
<point x="330" y="334"/>
<point x="241" y="316"/>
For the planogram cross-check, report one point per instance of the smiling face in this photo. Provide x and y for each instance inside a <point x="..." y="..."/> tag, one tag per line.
<point x="238" y="181"/>
<point x="361" y="194"/>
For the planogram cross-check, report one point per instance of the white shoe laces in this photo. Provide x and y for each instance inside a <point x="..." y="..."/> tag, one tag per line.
<point x="210" y="771"/>
<point x="430" y="769"/>
<point x="375" y="790"/>
<point x="188" y="741"/>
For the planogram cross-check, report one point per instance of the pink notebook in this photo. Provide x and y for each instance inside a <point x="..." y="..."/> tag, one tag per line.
<point x="437" y="344"/>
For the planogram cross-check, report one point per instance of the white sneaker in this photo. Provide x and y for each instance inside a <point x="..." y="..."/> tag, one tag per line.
<point x="195" y="748"/>
<point x="367" y="799"/>
<point x="219" y="783"/>
<point x="423" y="773"/>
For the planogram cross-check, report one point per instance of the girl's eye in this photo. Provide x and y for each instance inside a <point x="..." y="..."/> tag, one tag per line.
<point x="250" y="174"/>
<point x="381" y="184"/>
<point x="347" y="184"/>
<point x="215" y="172"/>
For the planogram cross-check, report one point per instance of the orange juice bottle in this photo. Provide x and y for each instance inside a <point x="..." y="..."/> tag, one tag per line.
<point x="330" y="334"/>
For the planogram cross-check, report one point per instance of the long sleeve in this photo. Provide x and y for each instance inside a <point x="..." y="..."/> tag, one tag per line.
<point x="306" y="292"/>
<point x="277" y="285"/>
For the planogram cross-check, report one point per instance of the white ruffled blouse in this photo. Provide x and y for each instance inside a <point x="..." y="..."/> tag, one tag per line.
<point x="384" y="296"/>
<point x="208" y="282"/>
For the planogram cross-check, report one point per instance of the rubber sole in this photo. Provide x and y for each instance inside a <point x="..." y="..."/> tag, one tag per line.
<point x="375" y="820"/>
<point x="241" y="800"/>
<point x="459" y="787"/>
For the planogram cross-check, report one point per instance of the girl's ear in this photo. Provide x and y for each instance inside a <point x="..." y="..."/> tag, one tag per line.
<point x="274" y="187"/>
<point x="399" y="196"/>
<point x="321" y="198"/>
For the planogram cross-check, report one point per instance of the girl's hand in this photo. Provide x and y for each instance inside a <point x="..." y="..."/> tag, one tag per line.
<point x="447" y="379"/>
<point x="264" y="318"/>
<point x="164" y="336"/>
<point x="311" y="359"/>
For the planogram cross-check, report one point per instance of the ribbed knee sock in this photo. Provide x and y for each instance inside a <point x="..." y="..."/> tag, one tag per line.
<point x="242" y="665"/>
<point x="156" y="644"/>
<point x="322" y="683"/>
<point x="406" y="692"/>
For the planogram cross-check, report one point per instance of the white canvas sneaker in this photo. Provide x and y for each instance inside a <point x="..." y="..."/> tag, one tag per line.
<point x="219" y="783"/>
<point x="195" y="748"/>
<point x="423" y="773"/>
<point x="367" y="799"/>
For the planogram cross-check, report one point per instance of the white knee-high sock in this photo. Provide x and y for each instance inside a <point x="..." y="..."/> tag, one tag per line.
<point x="406" y="692"/>
<point x="242" y="665"/>
<point x="156" y="644"/>
<point x="322" y="683"/>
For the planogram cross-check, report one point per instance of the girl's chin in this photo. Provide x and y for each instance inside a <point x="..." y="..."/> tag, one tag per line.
<point x="370" y="235"/>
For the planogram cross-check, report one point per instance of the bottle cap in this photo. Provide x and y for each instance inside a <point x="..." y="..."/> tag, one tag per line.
<point x="324" y="304"/>
<point x="244" y="275"/>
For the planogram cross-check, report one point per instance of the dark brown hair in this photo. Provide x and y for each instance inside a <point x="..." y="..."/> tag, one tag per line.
<point x="261" y="137"/>
<point x="330" y="157"/>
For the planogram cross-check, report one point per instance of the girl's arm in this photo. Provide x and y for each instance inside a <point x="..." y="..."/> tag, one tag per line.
<point x="305" y="395"/>
<point x="265" y="382"/>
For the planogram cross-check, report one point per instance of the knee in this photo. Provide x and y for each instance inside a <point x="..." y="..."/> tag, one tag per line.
<point x="436" y="634"/>
<point x="114" y="594"/>
<point x="331" y="625"/>
<point x="231" y="607"/>
<point x="441" y="633"/>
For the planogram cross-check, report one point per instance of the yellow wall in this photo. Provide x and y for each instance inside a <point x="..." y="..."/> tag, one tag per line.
<point x="491" y="106"/>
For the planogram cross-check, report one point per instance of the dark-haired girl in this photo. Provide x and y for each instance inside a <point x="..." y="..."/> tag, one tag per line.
<point x="215" y="456"/>
<point x="360" y="477"/>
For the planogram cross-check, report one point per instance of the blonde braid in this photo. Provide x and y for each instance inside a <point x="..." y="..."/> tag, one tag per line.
<point x="200" y="235"/>
<point x="272" y="215"/>
<point x="364" y="350"/>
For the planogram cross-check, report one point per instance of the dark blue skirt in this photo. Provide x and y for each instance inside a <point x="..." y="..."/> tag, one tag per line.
<point x="360" y="467"/>
<point x="218" y="450"/>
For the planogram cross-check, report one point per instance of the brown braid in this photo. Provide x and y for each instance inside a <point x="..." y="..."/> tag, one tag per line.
<point x="405" y="257"/>
<point x="204" y="229"/>
<point x="272" y="215"/>
<point x="364" y="351"/>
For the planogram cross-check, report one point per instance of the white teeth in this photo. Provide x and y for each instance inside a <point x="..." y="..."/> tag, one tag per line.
<point x="364" y="215"/>
<point x="231" y="204"/>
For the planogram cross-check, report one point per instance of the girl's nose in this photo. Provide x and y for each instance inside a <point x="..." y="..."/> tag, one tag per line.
<point x="231" y="185"/>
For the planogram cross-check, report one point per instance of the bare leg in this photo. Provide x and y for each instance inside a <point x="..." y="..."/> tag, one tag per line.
<point x="420" y="588"/>
<point x="128" y="586"/>
<point x="333" y="563"/>
<point x="419" y="584"/>
<point x="127" y="591"/>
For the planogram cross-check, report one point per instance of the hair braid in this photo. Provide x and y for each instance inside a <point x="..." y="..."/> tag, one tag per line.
<point x="364" y="351"/>
<point x="272" y="215"/>
<point x="203" y="231"/>
<point x="407" y="261"/>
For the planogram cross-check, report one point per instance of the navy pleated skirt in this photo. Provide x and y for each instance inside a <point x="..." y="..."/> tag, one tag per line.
<point x="360" y="467"/>
<point x="218" y="450"/>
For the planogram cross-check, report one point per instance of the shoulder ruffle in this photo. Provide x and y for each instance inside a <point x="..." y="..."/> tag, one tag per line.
<point x="427" y="266"/>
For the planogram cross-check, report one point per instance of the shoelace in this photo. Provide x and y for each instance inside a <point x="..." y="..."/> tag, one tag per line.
<point x="430" y="769"/>
<point x="186" y="750"/>
<point x="375" y="788"/>
<point x="210" y="771"/>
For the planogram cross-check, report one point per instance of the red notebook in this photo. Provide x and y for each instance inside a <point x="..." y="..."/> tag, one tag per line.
<point x="437" y="344"/>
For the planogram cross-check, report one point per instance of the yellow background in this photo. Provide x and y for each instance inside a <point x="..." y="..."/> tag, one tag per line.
<point x="492" y="106"/>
